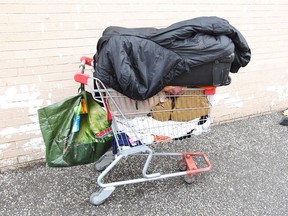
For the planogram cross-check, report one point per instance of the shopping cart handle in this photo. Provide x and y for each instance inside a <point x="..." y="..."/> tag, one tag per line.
<point x="81" y="78"/>
<point x="86" y="60"/>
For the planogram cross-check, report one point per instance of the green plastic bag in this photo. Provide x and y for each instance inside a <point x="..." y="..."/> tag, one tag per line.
<point x="72" y="138"/>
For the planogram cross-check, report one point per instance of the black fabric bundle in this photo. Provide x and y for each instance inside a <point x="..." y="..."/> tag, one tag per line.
<point x="140" y="62"/>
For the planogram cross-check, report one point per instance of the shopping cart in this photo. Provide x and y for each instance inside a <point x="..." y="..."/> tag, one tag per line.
<point x="173" y="114"/>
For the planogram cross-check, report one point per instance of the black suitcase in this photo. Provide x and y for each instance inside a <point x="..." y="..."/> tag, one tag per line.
<point x="214" y="73"/>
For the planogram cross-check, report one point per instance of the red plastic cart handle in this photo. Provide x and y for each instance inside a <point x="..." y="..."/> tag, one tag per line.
<point x="86" y="60"/>
<point x="81" y="78"/>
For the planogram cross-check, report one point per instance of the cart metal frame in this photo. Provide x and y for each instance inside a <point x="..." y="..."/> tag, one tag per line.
<point x="187" y="165"/>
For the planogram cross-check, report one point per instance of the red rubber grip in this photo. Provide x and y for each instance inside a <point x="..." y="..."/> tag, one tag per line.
<point x="86" y="60"/>
<point x="81" y="78"/>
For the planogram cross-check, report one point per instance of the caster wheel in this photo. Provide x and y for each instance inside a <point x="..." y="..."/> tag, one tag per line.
<point x="182" y="166"/>
<point x="95" y="198"/>
<point x="99" y="197"/>
<point x="189" y="179"/>
<point x="99" y="167"/>
<point x="103" y="162"/>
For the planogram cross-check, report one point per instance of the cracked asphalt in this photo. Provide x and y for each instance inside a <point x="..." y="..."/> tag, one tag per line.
<point x="249" y="177"/>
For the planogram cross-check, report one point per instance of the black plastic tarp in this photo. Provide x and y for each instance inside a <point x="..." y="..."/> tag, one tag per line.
<point x="139" y="62"/>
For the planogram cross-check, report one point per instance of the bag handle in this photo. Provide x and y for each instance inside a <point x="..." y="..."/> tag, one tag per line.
<point x="82" y="79"/>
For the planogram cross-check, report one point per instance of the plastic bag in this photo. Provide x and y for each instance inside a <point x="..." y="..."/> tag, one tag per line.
<point x="75" y="131"/>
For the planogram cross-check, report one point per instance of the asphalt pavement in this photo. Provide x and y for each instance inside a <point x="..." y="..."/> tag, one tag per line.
<point x="249" y="177"/>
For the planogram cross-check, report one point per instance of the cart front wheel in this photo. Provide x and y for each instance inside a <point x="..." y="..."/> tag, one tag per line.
<point x="189" y="179"/>
<point x="182" y="166"/>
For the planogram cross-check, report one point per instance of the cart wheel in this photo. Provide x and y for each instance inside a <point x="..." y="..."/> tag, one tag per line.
<point x="94" y="199"/>
<point x="98" y="167"/>
<point x="189" y="179"/>
<point x="103" y="162"/>
<point x="182" y="166"/>
<point x="99" y="197"/>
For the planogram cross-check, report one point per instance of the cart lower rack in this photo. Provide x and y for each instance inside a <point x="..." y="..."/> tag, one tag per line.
<point x="173" y="114"/>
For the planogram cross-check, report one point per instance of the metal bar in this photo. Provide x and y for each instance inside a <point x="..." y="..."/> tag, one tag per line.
<point x="146" y="165"/>
<point x="102" y="175"/>
<point x="139" y="180"/>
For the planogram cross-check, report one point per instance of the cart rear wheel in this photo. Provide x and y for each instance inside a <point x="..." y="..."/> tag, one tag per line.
<point x="99" y="197"/>
<point x="94" y="199"/>
<point x="103" y="162"/>
<point x="98" y="167"/>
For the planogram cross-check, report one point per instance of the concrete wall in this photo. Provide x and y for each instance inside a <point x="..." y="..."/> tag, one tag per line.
<point x="42" y="40"/>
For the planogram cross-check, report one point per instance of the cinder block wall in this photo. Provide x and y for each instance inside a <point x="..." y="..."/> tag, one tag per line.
<point x="43" y="40"/>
